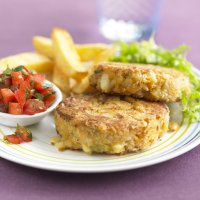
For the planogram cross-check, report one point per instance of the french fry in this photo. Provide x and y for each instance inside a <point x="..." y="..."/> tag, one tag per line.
<point x="79" y="76"/>
<point x="43" y="45"/>
<point x="61" y="80"/>
<point x="91" y="52"/>
<point x="104" y="55"/>
<point x="87" y="52"/>
<point x="67" y="61"/>
<point x="32" y="61"/>
<point x="83" y="87"/>
<point x="72" y="62"/>
<point x="66" y="56"/>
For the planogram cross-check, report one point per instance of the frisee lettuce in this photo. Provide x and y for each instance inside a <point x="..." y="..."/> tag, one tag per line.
<point x="148" y="52"/>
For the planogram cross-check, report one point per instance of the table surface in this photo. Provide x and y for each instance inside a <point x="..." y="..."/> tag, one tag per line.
<point x="176" y="179"/>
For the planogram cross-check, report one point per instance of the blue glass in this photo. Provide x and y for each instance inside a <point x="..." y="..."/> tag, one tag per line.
<point x="128" y="20"/>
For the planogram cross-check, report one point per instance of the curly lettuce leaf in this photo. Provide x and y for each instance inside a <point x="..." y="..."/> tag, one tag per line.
<point x="148" y="52"/>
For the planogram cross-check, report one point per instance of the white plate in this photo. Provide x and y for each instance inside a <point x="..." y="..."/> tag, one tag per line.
<point x="41" y="154"/>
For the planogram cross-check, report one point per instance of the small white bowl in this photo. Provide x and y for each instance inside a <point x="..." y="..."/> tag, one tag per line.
<point x="26" y="120"/>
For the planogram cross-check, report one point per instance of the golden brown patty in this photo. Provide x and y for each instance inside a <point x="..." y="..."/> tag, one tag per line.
<point x="148" y="82"/>
<point x="109" y="124"/>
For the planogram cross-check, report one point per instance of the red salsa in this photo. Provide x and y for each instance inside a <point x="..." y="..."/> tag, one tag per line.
<point x="24" y="92"/>
<point x="22" y="134"/>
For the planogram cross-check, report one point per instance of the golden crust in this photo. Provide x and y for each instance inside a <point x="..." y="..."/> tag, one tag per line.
<point x="148" y="82"/>
<point x="109" y="124"/>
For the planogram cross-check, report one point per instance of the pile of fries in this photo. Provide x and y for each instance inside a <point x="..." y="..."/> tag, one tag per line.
<point x="66" y="64"/>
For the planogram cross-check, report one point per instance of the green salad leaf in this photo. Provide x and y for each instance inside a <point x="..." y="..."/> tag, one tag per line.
<point x="148" y="52"/>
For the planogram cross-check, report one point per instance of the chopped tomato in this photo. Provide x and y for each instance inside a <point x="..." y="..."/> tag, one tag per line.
<point x="21" y="134"/>
<point x="7" y="82"/>
<point x="14" y="87"/>
<point x="15" y="108"/>
<point x="27" y="84"/>
<point x="26" y="138"/>
<point x="14" y="139"/>
<point x="38" y="77"/>
<point x="38" y="86"/>
<point x="20" y="99"/>
<point x="33" y="106"/>
<point x="3" y="107"/>
<point x="38" y="80"/>
<point x="7" y="95"/>
<point x="48" y="96"/>
<point x="17" y="77"/>
<point x="23" y="93"/>
<point x="2" y="85"/>
<point x="28" y="80"/>
<point x="20" y="95"/>
<point x="24" y="133"/>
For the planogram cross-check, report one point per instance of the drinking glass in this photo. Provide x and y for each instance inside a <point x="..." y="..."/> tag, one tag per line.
<point x="128" y="20"/>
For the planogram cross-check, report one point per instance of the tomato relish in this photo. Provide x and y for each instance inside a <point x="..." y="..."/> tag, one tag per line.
<point x="22" y="134"/>
<point x="24" y="92"/>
